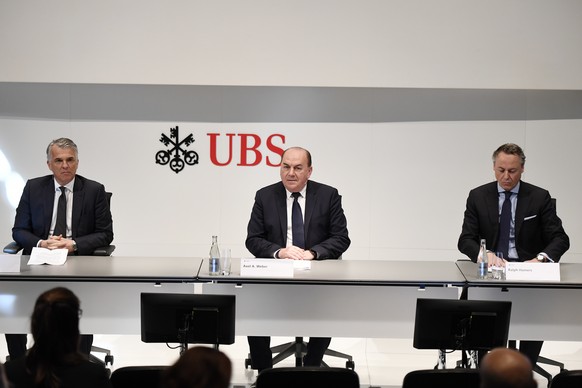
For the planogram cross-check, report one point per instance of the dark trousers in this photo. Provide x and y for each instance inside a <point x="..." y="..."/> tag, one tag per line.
<point x="17" y="344"/>
<point x="262" y="356"/>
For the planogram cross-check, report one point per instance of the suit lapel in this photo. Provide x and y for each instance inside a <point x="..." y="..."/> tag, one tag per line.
<point x="48" y="204"/>
<point x="492" y="203"/>
<point x="310" y="203"/>
<point x="523" y="202"/>
<point x="281" y="206"/>
<point x="78" y="197"/>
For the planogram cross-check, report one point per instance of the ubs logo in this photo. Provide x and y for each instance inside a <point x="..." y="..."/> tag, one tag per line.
<point x="177" y="156"/>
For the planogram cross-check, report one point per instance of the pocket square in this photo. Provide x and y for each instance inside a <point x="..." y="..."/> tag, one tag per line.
<point x="530" y="217"/>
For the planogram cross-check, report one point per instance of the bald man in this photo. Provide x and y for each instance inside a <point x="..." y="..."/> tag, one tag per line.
<point x="506" y="368"/>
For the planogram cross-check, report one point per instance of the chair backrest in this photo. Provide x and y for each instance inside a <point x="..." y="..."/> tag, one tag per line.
<point x="308" y="377"/>
<point x="567" y="379"/>
<point x="450" y="378"/>
<point x="137" y="376"/>
<point x="106" y="250"/>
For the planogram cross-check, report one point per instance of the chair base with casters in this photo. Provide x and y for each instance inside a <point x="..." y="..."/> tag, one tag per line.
<point x="543" y="360"/>
<point x="542" y="372"/>
<point x="298" y="349"/>
<point x="308" y="377"/>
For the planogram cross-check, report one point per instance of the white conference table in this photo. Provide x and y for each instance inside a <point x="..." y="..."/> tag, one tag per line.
<point x="540" y="310"/>
<point x="347" y="298"/>
<point x="109" y="289"/>
<point x="337" y="298"/>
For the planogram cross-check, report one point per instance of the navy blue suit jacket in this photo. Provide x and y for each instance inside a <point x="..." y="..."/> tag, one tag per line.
<point x="326" y="229"/>
<point x="92" y="225"/>
<point x="537" y="226"/>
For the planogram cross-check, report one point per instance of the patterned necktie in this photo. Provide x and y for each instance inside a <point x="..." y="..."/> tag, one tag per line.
<point x="505" y="226"/>
<point x="297" y="223"/>
<point x="61" y="224"/>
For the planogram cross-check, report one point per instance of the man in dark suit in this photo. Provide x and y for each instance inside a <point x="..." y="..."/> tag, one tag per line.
<point x="87" y="224"/>
<point x="534" y="231"/>
<point x="270" y="234"/>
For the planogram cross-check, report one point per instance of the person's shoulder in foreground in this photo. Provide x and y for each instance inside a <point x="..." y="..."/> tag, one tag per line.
<point x="86" y="374"/>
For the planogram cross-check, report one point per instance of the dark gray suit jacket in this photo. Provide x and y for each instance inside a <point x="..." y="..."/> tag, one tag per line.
<point x="92" y="225"/>
<point x="326" y="229"/>
<point x="85" y="374"/>
<point x="537" y="226"/>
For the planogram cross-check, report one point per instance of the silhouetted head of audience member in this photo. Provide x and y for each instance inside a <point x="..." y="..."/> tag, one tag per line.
<point x="199" y="367"/>
<point x="506" y="368"/>
<point x="55" y="329"/>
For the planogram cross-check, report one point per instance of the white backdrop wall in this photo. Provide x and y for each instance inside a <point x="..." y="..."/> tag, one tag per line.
<point x="404" y="185"/>
<point x="532" y="44"/>
<point x="400" y="101"/>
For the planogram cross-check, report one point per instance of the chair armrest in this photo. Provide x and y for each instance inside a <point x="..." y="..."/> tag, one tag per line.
<point x="104" y="251"/>
<point x="12" y="248"/>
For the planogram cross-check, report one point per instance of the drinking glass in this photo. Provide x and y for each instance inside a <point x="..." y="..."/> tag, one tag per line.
<point x="225" y="261"/>
<point x="498" y="272"/>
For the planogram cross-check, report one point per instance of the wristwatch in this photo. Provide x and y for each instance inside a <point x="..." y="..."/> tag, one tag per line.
<point x="541" y="258"/>
<point x="74" y="246"/>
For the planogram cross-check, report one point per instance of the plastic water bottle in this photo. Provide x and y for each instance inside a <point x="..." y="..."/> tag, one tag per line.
<point x="482" y="261"/>
<point x="214" y="258"/>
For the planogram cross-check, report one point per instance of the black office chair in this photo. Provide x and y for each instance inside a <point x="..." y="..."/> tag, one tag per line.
<point x="567" y="379"/>
<point x="137" y="376"/>
<point x="13" y="248"/>
<point x="543" y="360"/>
<point x="450" y="378"/>
<point x="307" y="377"/>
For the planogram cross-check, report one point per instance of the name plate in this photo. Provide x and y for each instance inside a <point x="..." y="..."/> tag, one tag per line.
<point x="9" y="263"/>
<point x="532" y="271"/>
<point x="272" y="268"/>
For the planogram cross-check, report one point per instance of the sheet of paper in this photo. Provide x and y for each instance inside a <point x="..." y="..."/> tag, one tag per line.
<point x="46" y="256"/>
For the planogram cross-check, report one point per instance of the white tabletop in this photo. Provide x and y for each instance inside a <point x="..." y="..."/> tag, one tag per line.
<point x="355" y="272"/>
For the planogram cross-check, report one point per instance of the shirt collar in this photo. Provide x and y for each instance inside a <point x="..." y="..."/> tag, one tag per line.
<point x="514" y="190"/>
<point x="69" y="185"/>
<point x="302" y="192"/>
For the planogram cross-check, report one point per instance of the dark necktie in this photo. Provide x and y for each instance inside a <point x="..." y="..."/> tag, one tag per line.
<point x="61" y="224"/>
<point x="505" y="226"/>
<point x="297" y="223"/>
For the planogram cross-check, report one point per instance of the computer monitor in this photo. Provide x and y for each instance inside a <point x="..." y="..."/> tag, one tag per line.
<point x="187" y="318"/>
<point x="453" y="324"/>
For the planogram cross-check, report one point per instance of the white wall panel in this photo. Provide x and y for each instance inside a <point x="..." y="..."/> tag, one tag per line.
<point x="531" y="44"/>
<point x="404" y="185"/>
